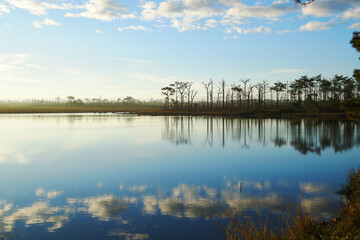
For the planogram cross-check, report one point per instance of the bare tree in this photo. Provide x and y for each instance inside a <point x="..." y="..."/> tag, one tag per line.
<point x="245" y="81"/>
<point x="207" y="87"/>
<point x="223" y="84"/>
<point x="188" y="89"/>
<point x="264" y="84"/>
<point x="259" y="88"/>
<point x="211" y="93"/>
<point x="218" y="92"/>
<point x="250" y="90"/>
<point x="232" y="93"/>
<point x="192" y="96"/>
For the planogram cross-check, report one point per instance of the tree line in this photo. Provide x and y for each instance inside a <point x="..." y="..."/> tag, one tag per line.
<point x="314" y="92"/>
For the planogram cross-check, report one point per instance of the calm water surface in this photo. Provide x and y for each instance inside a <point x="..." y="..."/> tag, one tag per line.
<point x="140" y="177"/>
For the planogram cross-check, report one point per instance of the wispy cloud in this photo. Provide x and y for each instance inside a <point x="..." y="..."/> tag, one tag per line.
<point x="15" y="61"/>
<point x="355" y="26"/>
<point x="3" y="9"/>
<point x="99" y="31"/>
<point x="287" y="70"/>
<point x="132" y="60"/>
<point x="317" y="26"/>
<point x="328" y="8"/>
<point x="352" y="13"/>
<point x="46" y="22"/>
<point x="38" y="7"/>
<point x="138" y="28"/>
<point x="104" y="10"/>
<point x="286" y="31"/>
<point x="211" y="23"/>
<point x="260" y="29"/>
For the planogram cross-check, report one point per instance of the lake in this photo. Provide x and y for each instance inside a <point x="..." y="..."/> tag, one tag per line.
<point x="114" y="176"/>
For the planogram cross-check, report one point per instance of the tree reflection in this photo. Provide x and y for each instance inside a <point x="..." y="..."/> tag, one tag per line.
<point x="178" y="130"/>
<point x="304" y="135"/>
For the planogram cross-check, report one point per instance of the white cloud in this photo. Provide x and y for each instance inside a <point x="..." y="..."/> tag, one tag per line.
<point x="260" y="29"/>
<point x="179" y="9"/>
<point x="228" y="31"/>
<point x="327" y="8"/>
<point x="355" y="26"/>
<point x="230" y="22"/>
<point x="12" y="61"/>
<point x="185" y="24"/>
<point x="353" y="13"/>
<point x="137" y="28"/>
<point x="46" y="22"/>
<point x="104" y="10"/>
<point x="316" y="26"/>
<point x="149" y="11"/>
<point x="211" y="23"/>
<point x="3" y="9"/>
<point x="286" y="31"/>
<point x="185" y="15"/>
<point x="38" y="7"/>
<point x="273" y="11"/>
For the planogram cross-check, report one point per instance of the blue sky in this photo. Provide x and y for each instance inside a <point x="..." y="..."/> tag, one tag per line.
<point x="117" y="48"/>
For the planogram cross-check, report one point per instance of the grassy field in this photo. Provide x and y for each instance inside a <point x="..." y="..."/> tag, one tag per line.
<point x="64" y="108"/>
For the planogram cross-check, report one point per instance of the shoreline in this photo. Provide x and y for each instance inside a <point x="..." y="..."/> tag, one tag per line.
<point x="245" y="114"/>
<point x="145" y="112"/>
<point x="155" y="110"/>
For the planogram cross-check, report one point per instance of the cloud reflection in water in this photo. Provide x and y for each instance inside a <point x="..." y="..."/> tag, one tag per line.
<point x="182" y="201"/>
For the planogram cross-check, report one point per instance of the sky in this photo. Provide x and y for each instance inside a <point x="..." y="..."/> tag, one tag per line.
<point x="117" y="48"/>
